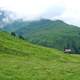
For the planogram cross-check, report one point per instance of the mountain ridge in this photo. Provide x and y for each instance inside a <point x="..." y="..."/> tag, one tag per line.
<point x="54" y="34"/>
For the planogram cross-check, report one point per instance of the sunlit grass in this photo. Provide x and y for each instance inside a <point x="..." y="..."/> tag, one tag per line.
<point x="20" y="60"/>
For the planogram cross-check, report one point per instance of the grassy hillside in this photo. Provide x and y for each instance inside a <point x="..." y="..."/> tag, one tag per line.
<point x="54" y="34"/>
<point x="20" y="60"/>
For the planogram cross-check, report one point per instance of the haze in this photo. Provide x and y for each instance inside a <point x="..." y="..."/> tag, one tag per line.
<point x="66" y="10"/>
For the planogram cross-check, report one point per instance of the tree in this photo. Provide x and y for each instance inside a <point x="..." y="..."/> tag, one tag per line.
<point x="13" y="34"/>
<point x="21" y="37"/>
<point x="75" y="47"/>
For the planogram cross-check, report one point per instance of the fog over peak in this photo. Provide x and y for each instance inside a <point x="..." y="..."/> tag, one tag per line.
<point x="66" y="10"/>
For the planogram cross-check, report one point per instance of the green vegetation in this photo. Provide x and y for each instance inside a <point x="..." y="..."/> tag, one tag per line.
<point x="53" y="34"/>
<point x="15" y="25"/>
<point x="20" y="60"/>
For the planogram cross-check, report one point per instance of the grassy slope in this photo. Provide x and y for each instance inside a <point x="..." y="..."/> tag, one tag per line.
<point x="23" y="61"/>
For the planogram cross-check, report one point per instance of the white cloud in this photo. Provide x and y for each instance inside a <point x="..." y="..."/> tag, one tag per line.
<point x="67" y="10"/>
<point x="72" y="12"/>
<point x="29" y="8"/>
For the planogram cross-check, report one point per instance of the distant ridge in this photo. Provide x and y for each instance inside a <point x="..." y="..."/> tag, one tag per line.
<point x="53" y="34"/>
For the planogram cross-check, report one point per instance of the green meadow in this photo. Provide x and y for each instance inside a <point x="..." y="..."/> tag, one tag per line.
<point x="21" y="60"/>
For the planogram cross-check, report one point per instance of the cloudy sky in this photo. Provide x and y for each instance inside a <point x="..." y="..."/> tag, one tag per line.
<point x="67" y="10"/>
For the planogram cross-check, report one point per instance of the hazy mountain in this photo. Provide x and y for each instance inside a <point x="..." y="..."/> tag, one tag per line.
<point x="54" y="34"/>
<point x="15" y="25"/>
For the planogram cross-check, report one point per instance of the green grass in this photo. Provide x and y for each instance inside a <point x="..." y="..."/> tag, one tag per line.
<point x="20" y="60"/>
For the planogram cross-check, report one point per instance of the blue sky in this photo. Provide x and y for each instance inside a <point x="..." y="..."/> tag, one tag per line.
<point x="66" y="10"/>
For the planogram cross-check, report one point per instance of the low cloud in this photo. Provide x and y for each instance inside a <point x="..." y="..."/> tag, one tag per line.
<point x="67" y="10"/>
<point x="53" y="11"/>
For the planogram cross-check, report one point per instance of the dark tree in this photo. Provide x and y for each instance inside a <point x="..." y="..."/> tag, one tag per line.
<point x="75" y="47"/>
<point x="13" y="34"/>
<point x="21" y="37"/>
